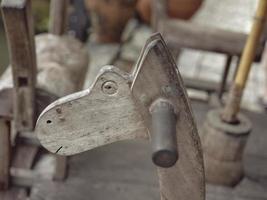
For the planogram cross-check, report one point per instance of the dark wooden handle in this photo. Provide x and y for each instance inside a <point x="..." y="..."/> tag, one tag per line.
<point x="18" y="22"/>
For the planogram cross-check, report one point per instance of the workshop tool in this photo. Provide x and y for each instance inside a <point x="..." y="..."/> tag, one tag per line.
<point x="151" y="102"/>
<point x="226" y="131"/>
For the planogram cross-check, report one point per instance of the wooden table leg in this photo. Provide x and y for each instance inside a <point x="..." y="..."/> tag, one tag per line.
<point x="4" y="153"/>
<point x="225" y="76"/>
<point x="18" y="20"/>
<point x="61" y="168"/>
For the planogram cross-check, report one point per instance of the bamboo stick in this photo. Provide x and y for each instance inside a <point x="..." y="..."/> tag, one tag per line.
<point x="234" y="100"/>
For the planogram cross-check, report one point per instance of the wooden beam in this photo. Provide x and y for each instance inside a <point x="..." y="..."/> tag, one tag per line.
<point x="20" y="35"/>
<point x="58" y="16"/>
<point x="61" y="168"/>
<point x="180" y="34"/>
<point x="4" y="153"/>
<point x="159" y="12"/>
<point x="203" y="85"/>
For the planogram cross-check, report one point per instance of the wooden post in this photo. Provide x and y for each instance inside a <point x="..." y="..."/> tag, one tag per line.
<point x="4" y="153"/>
<point x="61" y="168"/>
<point x="58" y="16"/>
<point x="225" y="76"/>
<point x="180" y="34"/>
<point x="20" y="35"/>
<point x="159" y="12"/>
<point x="57" y="26"/>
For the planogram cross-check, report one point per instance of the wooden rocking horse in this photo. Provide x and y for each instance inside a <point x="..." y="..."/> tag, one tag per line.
<point x="149" y="103"/>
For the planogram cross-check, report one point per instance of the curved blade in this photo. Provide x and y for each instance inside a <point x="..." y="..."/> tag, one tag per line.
<point x="91" y="118"/>
<point x="159" y="74"/>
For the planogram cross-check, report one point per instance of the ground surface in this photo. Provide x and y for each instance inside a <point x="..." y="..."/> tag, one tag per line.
<point x="124" y="171"/>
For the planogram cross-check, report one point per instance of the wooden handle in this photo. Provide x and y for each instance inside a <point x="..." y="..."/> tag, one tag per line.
<point x="20" y="35"/>
<point x="58" y="16"/>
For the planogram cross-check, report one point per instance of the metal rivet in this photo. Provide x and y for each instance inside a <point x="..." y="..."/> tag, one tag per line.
<point x="110" y="87"/>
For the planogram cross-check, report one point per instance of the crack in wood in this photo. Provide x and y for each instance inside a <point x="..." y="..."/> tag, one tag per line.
<point x="59" y="149"/>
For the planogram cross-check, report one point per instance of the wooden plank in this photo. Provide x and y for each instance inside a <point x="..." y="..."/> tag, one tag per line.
<point x="58" y="16"/>
<point x="111" y="112"/>
<point x="27" y="177"/>
<point x="5" y="148"/>
<point x="14" y="194"/>
<point x="204" y="85"/>
<point x="6" y="108"/>
<point x="24" y="156"/>
<point x="20" y="35"/>
<point x="156" y="75"/>
<point x="100" y="166"/>
<point x="61" y="168"/>
<point x="180" y="34"/>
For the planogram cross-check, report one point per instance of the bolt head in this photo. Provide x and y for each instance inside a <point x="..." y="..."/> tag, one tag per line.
<point x="110" y="87"/>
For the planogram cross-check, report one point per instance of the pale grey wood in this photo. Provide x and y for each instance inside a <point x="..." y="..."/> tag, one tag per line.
<point x="157" y="74"/>
<point x="180" y="34"/>
<point x="61" y="168"/>
<point x="125" y="171"/>
<point x="27" y="177"/>
<point x="62" y="63"/>
<point x="91" y="118"/>
<point x="14" y="3"/>
<point x="14" y="193"/>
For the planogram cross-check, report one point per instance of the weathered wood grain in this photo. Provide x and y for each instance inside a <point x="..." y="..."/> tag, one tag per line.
<point x="58" y="16"/>
<point x="179" y="34"/>
<point x="91" y="118"/>
<point x="61" y="168"/>
<point x="157" y="75"/>
<point x="124" y="171"/>
<point x="19" y="29"/>
<point x="5" y="148"/>
<point x="14" y="194"/>
<point x="103" y="115"/>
